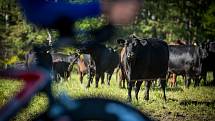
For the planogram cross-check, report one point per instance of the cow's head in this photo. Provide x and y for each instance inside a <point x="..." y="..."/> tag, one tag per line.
<point x="211" y="46"/>
<point x="83" y="50"/>
<point x="203" y="52"/>
<point x="132" y="45"/>
<point x="41" y="48"/>
<point x="206" y="48"/>
<point x="87" y="48"/>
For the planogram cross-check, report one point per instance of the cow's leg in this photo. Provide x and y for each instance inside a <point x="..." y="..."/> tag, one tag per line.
<point x="187" y="81"/>
<point x="102" y="78"/>
<point x="109" y="77"/>
<point x="68" y="76"/>
<point x="159" y="83"/>
<point x="197" y="81"/>
<point x="130" y="85"/>
<point x="89" y="80"/>
<point x="81" y="77"/>
<point x="137" y="88"/>
<point x="120" y="79"/>
<point x="153" y="82"/>
<point x="169" y="79"/>
<point x="163" y="86"/>
<point x="91" y="75"/>
<point x="58" y="77"/>
<point x="213" y="83"/>
<point x="98" y="75"/>
<point x="117" y="74"/>
<point x="174" y="81"/>
<point x="204" y="77"/>
<point x="123" y="83"/>
<point x="147" y="84"/>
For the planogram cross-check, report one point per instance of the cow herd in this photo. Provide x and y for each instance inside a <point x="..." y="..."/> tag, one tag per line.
<point x="138" y="60"/>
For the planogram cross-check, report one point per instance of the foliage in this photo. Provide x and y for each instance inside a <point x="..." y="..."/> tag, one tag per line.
<point x="189" y="20"/>
<point x="209" y="19"/>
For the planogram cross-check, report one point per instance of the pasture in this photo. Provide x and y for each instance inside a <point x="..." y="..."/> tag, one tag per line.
<point x="196" y="104"/>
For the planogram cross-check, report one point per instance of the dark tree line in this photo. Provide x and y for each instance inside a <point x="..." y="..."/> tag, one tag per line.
<point x="171" y="20"/>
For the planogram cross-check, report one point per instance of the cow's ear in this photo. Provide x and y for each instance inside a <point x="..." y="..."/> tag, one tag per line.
<point x="143" y="42"/>
<point x="121" y="42"/>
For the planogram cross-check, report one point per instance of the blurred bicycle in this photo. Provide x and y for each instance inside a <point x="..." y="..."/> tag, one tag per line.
<point x="61" y="16"/>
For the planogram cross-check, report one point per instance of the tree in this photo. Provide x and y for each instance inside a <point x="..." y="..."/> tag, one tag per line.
<point x="209" y="22"/>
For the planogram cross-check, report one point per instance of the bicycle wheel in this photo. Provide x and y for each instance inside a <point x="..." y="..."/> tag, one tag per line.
<point x="97" y="109"/>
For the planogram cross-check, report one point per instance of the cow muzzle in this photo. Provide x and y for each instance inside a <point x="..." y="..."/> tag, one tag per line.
<point x="130" y="56"/>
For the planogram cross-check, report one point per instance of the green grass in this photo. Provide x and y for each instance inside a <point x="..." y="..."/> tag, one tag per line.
<point x="195" y="104"/>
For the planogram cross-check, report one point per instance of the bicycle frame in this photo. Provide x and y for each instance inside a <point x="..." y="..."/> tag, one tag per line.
<point x="68" y="109"/>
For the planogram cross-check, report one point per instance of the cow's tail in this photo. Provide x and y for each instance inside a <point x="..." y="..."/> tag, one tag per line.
<point x="72" y="64"/>
<point x="117" y="73"/>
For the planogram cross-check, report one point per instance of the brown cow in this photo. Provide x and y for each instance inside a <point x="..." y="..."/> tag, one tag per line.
<point x="120" y="77"/>
<point x="172" y="79"/>
<point x="122" y="73"/>
<point x="85" y="66"/>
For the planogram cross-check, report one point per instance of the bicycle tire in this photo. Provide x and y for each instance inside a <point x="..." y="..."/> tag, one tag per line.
<point x="98" y="109"/>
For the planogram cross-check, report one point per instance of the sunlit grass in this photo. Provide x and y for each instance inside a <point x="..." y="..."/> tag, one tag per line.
<point x="175" y="108"/>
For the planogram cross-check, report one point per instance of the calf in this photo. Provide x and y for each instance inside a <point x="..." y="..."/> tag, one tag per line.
<point x="144" y="59"/>
<point x="62" y="69"/>
<point x="63" y="64"/>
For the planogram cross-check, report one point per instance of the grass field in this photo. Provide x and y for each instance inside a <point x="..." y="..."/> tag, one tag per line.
<point x="196" y="104"/>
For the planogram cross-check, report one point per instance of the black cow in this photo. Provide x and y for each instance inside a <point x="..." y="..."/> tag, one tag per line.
<point x="186" y="60"/>
<point x="105" y="59"/>
<point x="208" y="64"/>
<point x="39" y="56"/>
<point x="144" y="59"/>
<point x="63" y="64"/>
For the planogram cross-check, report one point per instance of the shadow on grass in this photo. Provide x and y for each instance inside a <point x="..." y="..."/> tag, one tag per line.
<point x="172" y="89"/>
<point x="193" y="102"/>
